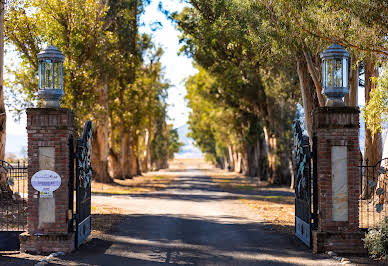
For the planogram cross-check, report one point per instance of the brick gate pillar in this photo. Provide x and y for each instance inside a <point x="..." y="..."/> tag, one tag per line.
<point x="49" y="132"/>
<point x="338" y="157"/>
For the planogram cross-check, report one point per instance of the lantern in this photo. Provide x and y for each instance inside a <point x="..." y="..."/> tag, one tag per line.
<point x="51" y="76"/>
<point x="335" y="74"/>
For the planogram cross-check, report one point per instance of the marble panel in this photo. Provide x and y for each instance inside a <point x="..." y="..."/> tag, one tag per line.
<point x="339" y="183"/>
<point x="46" y="205"/>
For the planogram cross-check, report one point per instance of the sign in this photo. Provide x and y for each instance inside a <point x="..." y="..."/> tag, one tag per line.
<point x="46" y="181"/>
<point x="46" y="195"/>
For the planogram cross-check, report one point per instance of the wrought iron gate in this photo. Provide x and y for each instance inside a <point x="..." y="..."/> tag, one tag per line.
<point x="13" y="203"/>
<point x="374" y="193"/>
<point x="305" y="215"/>
<point x="83" y="178"/>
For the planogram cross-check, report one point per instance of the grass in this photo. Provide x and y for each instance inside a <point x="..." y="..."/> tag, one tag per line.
<point x="104" y="218"/>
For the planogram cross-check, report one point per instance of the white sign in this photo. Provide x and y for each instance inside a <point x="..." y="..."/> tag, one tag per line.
<point x="46" y="181"/>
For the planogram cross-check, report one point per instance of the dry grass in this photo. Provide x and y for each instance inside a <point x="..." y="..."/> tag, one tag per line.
<point x="278" y="211"/>
<point x="280" y="215"/>
<point x="104" y="218"/>
<point x="139" y="184"/>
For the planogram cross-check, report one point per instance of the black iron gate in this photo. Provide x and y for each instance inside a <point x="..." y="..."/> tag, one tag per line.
<point x="305" y="184"/>
<point x="83" y="178"/>
<point x="13" y="203"/>
<point x="374" y="193"/>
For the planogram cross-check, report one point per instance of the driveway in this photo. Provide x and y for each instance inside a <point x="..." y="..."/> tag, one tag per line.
<point x="192" y="222"/>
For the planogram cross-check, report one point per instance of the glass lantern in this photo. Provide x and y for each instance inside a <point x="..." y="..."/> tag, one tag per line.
<point x="51" y="76"/>
<point x="335" y="74"/>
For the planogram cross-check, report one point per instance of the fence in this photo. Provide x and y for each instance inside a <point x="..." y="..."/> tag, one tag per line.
<point x="13" y="196"/>
<point x="374" y="196"/>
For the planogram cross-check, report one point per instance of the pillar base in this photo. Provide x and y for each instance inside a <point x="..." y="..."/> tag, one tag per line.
<point x="339" y="242"/>
<point x="46" y="244"/>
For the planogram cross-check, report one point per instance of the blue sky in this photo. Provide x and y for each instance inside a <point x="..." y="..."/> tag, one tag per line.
<point x="177" y="69"/>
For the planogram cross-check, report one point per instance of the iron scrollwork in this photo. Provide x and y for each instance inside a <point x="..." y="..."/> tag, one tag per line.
<point x="302" y="158"/>
<point x="83" y="156"/>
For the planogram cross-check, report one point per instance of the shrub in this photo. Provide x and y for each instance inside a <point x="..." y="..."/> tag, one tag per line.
<point x="376" y="240"/>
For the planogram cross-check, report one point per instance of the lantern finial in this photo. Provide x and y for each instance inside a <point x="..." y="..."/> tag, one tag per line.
<point x="335" y="74"/>
<point x="51" y="75"/>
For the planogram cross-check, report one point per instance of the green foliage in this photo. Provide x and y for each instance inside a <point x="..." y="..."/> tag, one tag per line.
<point x="112" y="74"/>
<point x="376" y="240"/>
<point x="174" y="144"/>
<point x="214" y="125"/>
<point x="375" y="112"/>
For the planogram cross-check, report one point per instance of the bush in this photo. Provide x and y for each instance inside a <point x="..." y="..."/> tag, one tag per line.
<point x="376" y="240"/>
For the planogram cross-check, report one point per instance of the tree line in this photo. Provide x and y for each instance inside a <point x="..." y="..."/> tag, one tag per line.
<point x="112" y="75"/>
<point x="258" y="59"/>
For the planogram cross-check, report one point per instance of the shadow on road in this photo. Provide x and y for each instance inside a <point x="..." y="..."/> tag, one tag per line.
<point x="202" y="185"/>
<point x="190" y="240"/>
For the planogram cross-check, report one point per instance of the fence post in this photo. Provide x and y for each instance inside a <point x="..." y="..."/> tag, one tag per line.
<point x="338" y="180"/>
<point x="48" y="217"/>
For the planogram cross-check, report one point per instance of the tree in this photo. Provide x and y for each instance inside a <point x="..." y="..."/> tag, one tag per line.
<point x="218" y="36"/>
<point x="174" y="144"/>
<point x="376" y="111"/>
<point x="106" y="77"/>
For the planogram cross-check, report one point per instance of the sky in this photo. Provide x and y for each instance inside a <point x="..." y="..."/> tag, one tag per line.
<point x="177" y="69"/>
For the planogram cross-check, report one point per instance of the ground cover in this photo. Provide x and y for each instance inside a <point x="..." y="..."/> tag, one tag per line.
<point x="274" y="204"/>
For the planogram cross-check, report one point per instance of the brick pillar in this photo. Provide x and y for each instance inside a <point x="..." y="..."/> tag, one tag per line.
<point x="338" y="157"/>
<point x="49" y="131"/>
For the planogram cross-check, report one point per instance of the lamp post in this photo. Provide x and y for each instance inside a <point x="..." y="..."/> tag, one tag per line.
<point x="335" y="74"/>
<point x="51" y="76"/>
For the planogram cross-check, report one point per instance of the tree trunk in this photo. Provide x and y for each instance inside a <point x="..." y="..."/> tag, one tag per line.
<point x="101" y="138"/>
<point x="373" y="144"/>
<point x="308" y="93"/>
<point x="245" y="161"/>
<point x="292" y="181"/>
<point x="114" y="165"/>
<point x="100" y="154"/>
<point x="272" y="156"/>
<point x="146" y="159"/>
<point x="251" y="160"/>
<point x="231" y="158"/>
<point x="238" y="169"/>
<point x="138" y="166"/>
<point x="262" y="157"/>
<point x="124" y="155"/>
<point x="353" y="82"/>
<point x="3" y="116"/>
<point x="132" y="159"/>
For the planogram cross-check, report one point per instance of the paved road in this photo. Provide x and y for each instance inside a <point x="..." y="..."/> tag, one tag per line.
<point x="191" y="223"/>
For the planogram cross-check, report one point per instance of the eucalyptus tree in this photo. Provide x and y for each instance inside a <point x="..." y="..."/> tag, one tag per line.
<point x="77" y="28"/>
<point x="218" y="34"/>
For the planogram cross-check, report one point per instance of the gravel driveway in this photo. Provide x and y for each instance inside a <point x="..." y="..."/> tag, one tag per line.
<point x="192" y="222"/>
